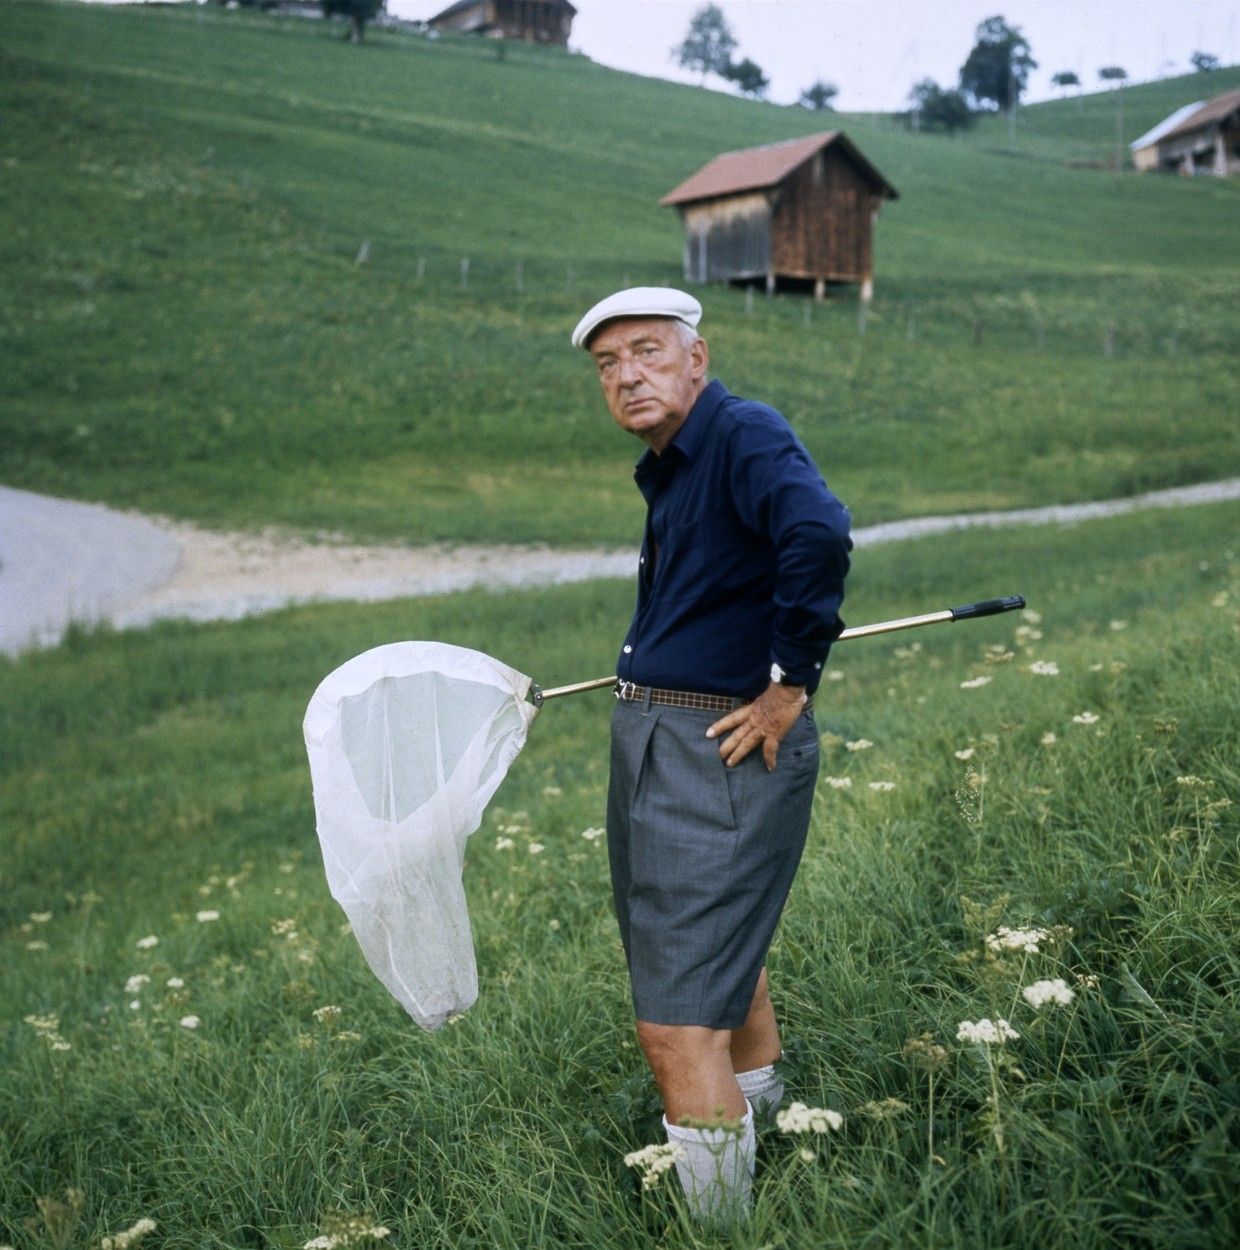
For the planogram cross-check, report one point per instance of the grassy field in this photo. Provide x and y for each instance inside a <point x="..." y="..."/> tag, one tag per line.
<point x="187" y="329"/>
<point x="151" y="780"/>
<point x="189" y="1035"/>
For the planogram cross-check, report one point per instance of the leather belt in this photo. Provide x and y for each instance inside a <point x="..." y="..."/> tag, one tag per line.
<point x="629" y="692"/>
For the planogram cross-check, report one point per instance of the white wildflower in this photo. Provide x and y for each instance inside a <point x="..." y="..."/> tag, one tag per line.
<point x="1042" y="992"/>
<point x="1048" y="739"/>
<point x="882" y="785"/>
<point x="122" y="1240"/>
<point x="536" y="848"/>
<point x="1191" y="782"/>
<point x="835" y="674"/>
<point x="798" y="1118"/>
<point x="36" y="945"/>
<point x="554" y="926"/>
<point x="136" y="1005"/>
<point x="504" y="844"/>
<point x="654" y="1161"/>
<point x="840" y="783"/>
<point x="135" y="983"/>
<point x="1118" y="625"/>
<point x="190" y="1022"/>
<point x="861" y="744"/>
<point x="175" y="983"/>
<point x="145" y="944"/>
<point x="327" y="1015"/>
<point x="1044" y="668"/>
<point x="986" y="1032"/>
<point x="40" y="917"/>
<point x="1033" y="617"/>
<point x="1027" y="940"/>
<point x="967" y="754"/>
<point x="552" y="791"/>
<point x="205" y="917"/>
<point x="592" y="835"/>
<point x="974" y="682"/>
<point x="807" y="1155"/>
<point x="1085" y="718"/>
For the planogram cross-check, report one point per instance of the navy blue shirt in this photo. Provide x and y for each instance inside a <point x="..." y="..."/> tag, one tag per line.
<point x="743" y="559"/>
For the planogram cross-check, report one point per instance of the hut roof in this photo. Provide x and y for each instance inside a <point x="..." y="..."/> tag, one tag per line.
<point x="753" y="169"/>
<point x="1213" y="110"/>
<point x="461" y="5"/>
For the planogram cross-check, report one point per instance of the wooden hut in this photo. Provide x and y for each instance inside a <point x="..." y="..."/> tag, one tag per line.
<point x="534" y="21"/>
<point x="798" y="214"/>
<point x="1201" y="138"/>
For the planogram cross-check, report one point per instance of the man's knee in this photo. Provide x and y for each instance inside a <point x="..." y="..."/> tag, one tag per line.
<point x="671" y="1046"/>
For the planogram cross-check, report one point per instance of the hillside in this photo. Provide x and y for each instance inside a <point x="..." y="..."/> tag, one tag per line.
<point x="188" y="194"/>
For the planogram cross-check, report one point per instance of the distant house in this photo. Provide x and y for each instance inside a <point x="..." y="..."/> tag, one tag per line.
<point x="535" y="21"/>
<point x="1201" y="138"/>
<point x="796" y="215"/>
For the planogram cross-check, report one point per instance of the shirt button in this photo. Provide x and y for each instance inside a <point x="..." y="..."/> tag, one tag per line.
<point x="628" y="650"/>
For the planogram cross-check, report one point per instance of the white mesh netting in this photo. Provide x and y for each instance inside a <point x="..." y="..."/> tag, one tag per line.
<point x="407" y="744"/>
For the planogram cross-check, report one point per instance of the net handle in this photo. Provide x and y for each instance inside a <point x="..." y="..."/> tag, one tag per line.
<point x="965" y="612"/>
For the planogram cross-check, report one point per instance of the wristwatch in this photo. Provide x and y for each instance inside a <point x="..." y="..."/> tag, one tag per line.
<point x="780" y="678"/>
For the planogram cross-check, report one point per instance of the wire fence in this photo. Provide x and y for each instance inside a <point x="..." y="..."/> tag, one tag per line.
<point x="1120" y="321"/>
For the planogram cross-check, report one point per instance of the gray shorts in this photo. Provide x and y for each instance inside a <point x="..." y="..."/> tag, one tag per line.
<point x="702" y="858"/>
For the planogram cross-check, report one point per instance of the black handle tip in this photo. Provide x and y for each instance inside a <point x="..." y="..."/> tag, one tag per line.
<point x="988" y="607"/>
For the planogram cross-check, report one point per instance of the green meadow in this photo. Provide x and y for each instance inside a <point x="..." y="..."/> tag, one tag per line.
<point x="233" y="292"/>
<point x="152" y="781"/>
<point x="187" y="328"/>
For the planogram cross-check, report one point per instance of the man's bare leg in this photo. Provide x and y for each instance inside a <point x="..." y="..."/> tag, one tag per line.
<point x="693" y="1068"/>
<point x="756" y="1043"/>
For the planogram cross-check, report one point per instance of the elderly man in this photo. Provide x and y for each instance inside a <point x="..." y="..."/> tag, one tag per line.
<point x="714" y="745"/>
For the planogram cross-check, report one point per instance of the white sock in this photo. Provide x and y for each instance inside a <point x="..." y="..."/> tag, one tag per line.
<point x="763" y="1089"/>
<point x="715" y="1167"/>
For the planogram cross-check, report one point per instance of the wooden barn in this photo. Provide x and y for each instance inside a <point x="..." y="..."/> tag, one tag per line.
<point x="793" y="215"/>
<point x="1201" y="138"/>
<point x="534" y="21"/>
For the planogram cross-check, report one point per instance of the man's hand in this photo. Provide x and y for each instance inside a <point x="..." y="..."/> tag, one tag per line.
<point x="764" y="722"/>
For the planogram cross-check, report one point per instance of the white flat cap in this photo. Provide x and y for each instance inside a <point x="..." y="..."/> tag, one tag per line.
<point x="639" y="301"/>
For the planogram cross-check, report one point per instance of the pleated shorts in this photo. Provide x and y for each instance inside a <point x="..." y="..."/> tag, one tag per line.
<point x="702" y="858"/>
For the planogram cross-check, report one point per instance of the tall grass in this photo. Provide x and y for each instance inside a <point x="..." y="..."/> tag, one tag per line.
<point x="150" y="777"/>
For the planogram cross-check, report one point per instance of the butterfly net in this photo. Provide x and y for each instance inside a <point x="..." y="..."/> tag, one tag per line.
<point x="407" y="744"/>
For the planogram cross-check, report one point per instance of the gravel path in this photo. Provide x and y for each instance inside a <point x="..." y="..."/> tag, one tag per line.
<point x="63" y="562"/>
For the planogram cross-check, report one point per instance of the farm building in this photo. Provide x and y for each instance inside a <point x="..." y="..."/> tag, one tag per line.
<point x="1201" y="138"/>
<point x="535" y="21"/>
<point x="797" y="215"/>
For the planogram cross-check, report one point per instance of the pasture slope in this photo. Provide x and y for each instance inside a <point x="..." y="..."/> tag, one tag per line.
<point x="187" y="1034"/>
<point x="187" y="192"/>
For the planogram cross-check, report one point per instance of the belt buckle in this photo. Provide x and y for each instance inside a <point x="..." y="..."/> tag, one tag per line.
<point x="625" y="690"/>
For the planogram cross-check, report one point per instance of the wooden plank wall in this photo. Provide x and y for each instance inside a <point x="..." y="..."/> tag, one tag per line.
<point x="822" y="223"/>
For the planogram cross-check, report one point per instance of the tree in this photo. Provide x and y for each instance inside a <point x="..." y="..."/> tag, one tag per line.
<point x="820" y="97"/>
<point x="1113" y="73"/>
<point x="709" y="45"/>
<point x="359" y="12"/>
<point x="1203" y="62"/>
<point x="998" y="67"/>
<point x="933" y="108"/>
<point x="748" y="76"/>
<point x="1065" y="78"/>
